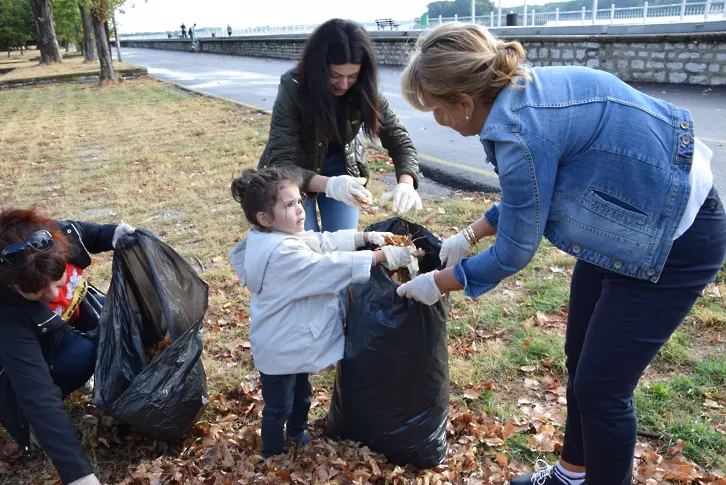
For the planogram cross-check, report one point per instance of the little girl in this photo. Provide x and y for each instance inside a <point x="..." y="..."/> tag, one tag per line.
<point x="296" y="278"/>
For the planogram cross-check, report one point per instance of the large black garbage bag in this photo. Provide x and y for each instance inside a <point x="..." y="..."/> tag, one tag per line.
<point x="153" y="293"/>
<point x="392" y="385"/>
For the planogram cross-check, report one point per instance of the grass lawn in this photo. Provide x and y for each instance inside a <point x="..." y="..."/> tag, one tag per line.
<point x="159" y="158"/>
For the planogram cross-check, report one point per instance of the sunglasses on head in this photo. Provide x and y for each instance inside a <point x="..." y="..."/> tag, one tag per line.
<point x="14" y="254"/>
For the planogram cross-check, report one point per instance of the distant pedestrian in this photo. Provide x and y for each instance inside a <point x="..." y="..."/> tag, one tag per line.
<point x="184" y="31"/>
<point x="229" y="30"/>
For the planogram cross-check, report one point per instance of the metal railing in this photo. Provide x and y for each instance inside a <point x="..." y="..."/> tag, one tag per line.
<point x="526" y="16"/>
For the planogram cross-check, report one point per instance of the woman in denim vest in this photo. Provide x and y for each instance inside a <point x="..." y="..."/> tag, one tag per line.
<point x="609" y="175"/>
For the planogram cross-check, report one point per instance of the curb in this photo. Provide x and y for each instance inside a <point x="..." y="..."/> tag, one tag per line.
<point x="71" y="77"/>
<point x="454" y="179"/>
<point x="212" y="96"/>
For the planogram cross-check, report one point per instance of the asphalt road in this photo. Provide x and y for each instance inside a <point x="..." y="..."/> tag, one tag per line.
<point x="442" y="152"/>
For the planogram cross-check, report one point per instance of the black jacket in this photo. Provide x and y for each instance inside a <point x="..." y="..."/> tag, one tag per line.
<point x="29" y="332"/>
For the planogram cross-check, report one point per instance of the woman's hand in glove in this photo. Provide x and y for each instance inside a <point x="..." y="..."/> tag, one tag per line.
<point x="349" y="190"/>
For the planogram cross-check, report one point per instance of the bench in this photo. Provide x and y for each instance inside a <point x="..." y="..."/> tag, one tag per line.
<point x="383" y="23"/>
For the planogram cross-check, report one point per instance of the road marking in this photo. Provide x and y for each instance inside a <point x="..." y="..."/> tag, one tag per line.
<point x="459" y="166"/>
<point x="712" y="140"/>
<point x="429" y="158"/>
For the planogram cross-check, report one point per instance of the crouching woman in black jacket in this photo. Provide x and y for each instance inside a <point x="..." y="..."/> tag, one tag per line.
<point x="47" y="316"/>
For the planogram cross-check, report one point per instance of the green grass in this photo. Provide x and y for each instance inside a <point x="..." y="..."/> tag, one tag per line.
<point x="674" y="409"/>
<point x="678" y="350"/>
<point x="547" y="295"/>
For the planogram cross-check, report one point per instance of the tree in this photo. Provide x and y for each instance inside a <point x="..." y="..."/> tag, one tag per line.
<point x="67" y="21"/>
<point x="99" y="11"/>
<point x="462" y="8"/>
<point x="44" y="25"/>
<point x="90" y="50"/>
<point x="16" y="25"/>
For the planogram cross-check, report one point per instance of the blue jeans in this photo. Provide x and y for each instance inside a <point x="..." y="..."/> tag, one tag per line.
<point x="73" y="362"/>
<point x="287" y="400"/>
<point x="334" y="215"/>
<point x="616" y="326"/>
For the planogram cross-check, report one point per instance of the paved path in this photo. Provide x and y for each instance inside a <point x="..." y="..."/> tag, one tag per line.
<point x="254" y="81"/>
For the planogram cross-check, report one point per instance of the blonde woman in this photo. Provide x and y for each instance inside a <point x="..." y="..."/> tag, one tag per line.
<point x="609" y="175"/>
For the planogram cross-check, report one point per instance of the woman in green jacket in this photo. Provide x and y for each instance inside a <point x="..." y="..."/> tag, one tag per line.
<point x="325" y="107"/>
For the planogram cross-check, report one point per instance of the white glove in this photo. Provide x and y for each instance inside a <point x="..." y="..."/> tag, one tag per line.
<point x="399" y="257"/>
<point x="121" y="229"/>
<point x="422" y="288"/>
<point x="454" y="250"/>
<point x="378" y="238"/>
<point x="404" y="198"/>
<point x="349" y="190"/>
<point x="87" y="480"/>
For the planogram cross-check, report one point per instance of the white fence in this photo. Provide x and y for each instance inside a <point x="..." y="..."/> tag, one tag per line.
<point x="527" y="16"/>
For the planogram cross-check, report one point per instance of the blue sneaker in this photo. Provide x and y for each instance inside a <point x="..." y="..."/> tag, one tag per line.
<point x="302" y="439"/>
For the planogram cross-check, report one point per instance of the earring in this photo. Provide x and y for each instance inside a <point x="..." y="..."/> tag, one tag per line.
<point x="468" y="120"/>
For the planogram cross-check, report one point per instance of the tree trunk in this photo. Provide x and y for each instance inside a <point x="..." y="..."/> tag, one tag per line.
<point x="104" y="52"/>
<point x="90" y="52"/>
<point x="47" y="41"/>
<point x="115" y="34"/>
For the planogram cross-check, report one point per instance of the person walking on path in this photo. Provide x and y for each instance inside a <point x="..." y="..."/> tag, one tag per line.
<point x="325" y="108"/>
<point x="229" y="30"/>
<point x="183" y="31"/>
<point x="607" y="174"/>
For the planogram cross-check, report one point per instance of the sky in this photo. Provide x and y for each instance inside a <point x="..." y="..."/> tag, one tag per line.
<point x="168" y="15"/>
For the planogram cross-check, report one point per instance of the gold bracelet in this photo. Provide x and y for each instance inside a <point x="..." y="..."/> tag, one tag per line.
<point x="470" y="236"/>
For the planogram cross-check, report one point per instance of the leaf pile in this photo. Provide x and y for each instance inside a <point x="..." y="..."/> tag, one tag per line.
<point x="153" y="351"/>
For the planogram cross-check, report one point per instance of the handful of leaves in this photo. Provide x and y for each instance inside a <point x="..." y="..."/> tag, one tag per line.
<point x="404" y="275"/>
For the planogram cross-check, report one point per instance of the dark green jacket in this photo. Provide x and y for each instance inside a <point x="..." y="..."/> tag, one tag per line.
<point x="293" y="142"/>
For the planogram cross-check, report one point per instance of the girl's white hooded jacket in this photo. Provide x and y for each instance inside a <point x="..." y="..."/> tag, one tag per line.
<point x="296" y="315"/>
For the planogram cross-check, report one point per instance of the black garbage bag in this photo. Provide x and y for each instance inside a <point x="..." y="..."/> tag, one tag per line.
<point x="154" y="295"/>
<point x="392" y="385"/>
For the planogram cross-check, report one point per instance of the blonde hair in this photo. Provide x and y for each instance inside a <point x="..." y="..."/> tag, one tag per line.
<point x="456" y="59"/>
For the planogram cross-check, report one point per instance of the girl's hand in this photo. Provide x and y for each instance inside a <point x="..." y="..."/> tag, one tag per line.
<point x="399" y="257"/>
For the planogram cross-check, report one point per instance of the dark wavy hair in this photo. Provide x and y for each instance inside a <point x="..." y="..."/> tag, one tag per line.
<point x="39" y="269"/>
<point x="337" y="42"/>
<point x="258" y="191"/>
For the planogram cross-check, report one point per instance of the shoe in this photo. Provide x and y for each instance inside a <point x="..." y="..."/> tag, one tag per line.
<point x="546" y="476"/>
<point x="302" y="439"/>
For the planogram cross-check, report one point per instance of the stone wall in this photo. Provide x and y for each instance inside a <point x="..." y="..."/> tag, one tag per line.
<point x="663" y="59"/>
<point x="390" y="52"/>
<point x="692" y="58"/>
<point x="167" y="45"/>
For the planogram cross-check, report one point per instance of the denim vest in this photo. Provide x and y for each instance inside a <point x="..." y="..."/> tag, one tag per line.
<point x="597" y="167"/>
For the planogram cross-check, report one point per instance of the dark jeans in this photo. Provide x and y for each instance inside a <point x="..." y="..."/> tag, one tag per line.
<point x="74" y="358"/>
<point x="74" y="361"/>
<point x="616" y="326"/>
<point x="287" y="400"/>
